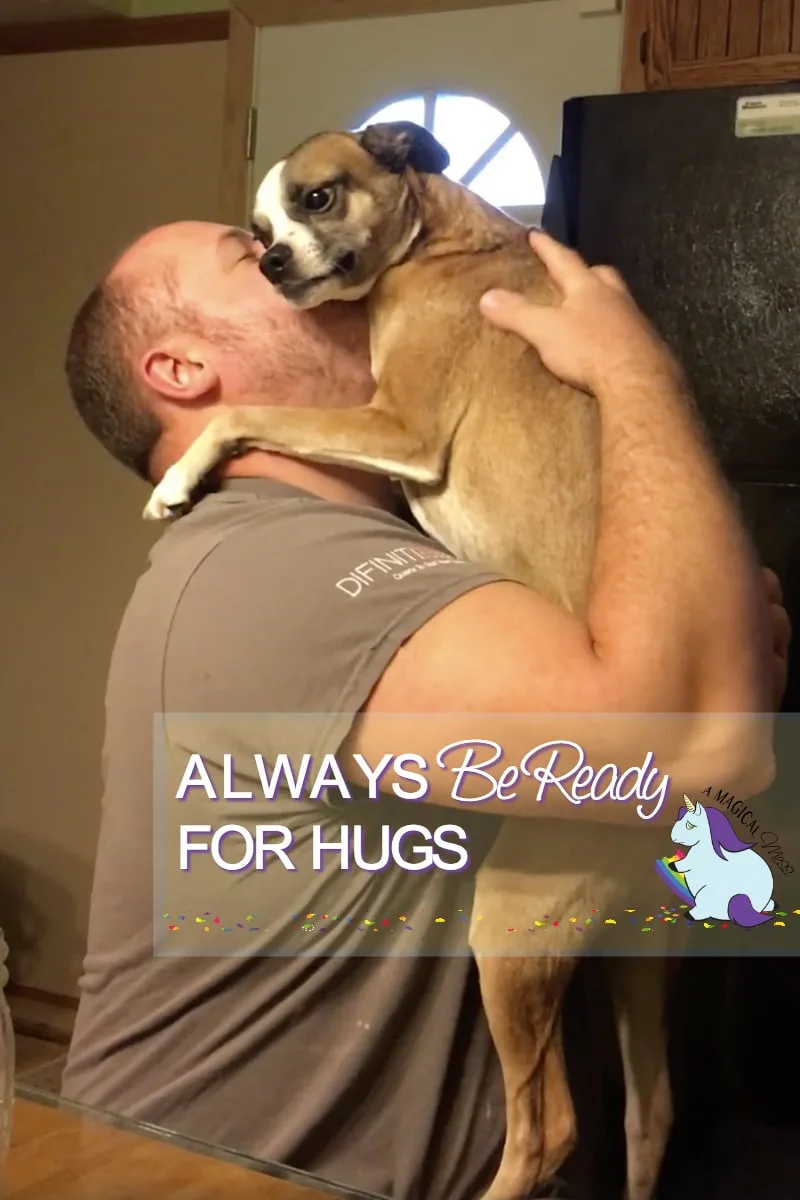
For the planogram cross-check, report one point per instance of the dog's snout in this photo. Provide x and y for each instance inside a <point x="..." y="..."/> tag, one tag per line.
<point x="275" y="261"/>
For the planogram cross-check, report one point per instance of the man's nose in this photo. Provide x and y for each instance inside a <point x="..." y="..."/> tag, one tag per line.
<point x="274" y="263"/>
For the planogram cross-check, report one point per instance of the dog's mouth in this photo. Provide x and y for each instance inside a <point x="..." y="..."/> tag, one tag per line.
<point x="296" y="290"/>
<point x="344" y="264"/>
<point x="301" y="289"/>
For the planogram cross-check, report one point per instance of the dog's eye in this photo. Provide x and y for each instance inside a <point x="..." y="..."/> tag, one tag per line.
<point x="319" y="200"/>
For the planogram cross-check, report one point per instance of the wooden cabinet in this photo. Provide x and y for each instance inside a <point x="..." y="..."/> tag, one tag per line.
<point x="673" y="44"/>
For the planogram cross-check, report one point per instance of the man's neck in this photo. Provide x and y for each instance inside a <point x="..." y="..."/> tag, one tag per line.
<point x="339" y="485"/>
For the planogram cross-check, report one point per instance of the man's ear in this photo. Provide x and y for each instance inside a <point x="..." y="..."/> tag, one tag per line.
<point x="397" y="145"/>
<point x="178" y="371"/>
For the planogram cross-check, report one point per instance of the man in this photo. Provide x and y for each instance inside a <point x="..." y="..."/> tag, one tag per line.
<point x="273" y="596"/>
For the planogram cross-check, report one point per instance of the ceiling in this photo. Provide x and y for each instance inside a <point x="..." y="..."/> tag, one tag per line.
<point x="19" y="12"/>
<point x="24" y="12"/>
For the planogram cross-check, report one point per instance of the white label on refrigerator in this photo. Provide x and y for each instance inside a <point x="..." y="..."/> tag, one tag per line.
<point x="768" y="116"/>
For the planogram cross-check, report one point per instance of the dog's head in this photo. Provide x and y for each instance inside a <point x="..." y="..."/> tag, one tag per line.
<point x="340" y="210"/>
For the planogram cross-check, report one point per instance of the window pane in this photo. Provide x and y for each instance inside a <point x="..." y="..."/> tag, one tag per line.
<point x="512" y="178"/>
<point x="466" y="126"/>
<point x="412" y="108"/>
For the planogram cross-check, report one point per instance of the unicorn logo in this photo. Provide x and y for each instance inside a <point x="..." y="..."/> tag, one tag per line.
<point x="723" y="877"/>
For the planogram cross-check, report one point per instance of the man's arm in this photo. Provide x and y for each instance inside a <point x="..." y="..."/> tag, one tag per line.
<point x="678" y="619"/>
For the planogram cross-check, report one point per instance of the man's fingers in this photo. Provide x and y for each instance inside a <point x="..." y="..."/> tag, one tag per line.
<point x="612" y="278"/>
<point x="773" y="585"/>
<point x="510" y="311"/>
<point x="564" y="266"/>
<point x="782" y="630"/>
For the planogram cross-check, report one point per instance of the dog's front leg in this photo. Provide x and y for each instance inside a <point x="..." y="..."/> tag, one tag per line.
<point x="371" y="438"/>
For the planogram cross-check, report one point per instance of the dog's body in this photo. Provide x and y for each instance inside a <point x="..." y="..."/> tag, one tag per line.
<point x="500" y="462"/>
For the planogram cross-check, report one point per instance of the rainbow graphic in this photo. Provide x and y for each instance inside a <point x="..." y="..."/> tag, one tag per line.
<point x="667" y="869"/>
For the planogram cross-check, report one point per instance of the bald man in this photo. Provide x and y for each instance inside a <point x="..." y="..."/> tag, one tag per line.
<point x="293" y="588"/>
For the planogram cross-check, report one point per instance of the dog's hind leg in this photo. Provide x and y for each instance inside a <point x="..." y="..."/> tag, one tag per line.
<point x="639" y="987"/>
<point x="523" y="999"/>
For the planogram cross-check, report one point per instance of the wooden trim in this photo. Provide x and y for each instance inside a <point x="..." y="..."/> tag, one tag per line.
<point x="658" y="58"/>
<point x="774" y="68"/>
<point x="42" y="1031"/>
<point x="239" y="79"/>
<point x="112" y="33"/>
<point x="36" y="1013"/>
<point x="56" y="999"/>
<point x="308" y="12"/>
<point x="635" y="29"/>
<point x="662" y="73"/>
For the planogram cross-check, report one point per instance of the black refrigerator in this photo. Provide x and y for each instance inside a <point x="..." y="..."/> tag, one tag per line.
<point x="694" y="196"/>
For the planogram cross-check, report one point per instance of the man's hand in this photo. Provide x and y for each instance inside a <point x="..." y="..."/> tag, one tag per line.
<point x="781" y="635"/>
<point x="595" y="335"/>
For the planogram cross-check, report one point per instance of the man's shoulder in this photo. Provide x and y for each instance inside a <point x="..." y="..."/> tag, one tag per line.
<point x="262" y="509"/>
<point x="290" y="603"/>
<point x="270" y="539"/>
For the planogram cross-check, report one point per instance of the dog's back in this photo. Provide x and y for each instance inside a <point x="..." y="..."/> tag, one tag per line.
<point x="520" y="492"/>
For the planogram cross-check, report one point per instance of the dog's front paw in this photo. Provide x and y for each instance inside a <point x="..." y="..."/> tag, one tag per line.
<point x="170" y="498"/>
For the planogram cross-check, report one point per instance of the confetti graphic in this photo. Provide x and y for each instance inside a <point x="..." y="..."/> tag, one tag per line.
<point x="675" y="915"/>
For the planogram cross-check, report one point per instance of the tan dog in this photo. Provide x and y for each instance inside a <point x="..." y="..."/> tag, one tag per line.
<point x="499" y="461"/>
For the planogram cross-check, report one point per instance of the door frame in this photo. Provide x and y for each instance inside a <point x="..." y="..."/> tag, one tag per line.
<point x="247" y="17"/>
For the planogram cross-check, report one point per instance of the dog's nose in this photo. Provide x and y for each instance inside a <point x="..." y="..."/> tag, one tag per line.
<point x="275" y="261"/>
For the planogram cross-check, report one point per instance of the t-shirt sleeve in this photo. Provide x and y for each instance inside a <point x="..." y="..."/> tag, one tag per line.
<point x="297" y="613"/>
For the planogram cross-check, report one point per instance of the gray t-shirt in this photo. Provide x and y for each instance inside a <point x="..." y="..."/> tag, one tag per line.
<point x="331" y="1019"/>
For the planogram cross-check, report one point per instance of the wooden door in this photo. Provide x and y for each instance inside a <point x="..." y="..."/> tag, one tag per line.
<point x="672" y="44"/>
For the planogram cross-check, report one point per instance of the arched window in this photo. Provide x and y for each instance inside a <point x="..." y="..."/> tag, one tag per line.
<point x="488" y="153"/>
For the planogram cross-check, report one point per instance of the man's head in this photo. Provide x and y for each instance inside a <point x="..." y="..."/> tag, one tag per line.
<point x="185" y="321"/>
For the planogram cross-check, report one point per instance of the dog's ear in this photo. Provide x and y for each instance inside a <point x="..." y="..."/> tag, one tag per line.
<point x="400" y="144"/>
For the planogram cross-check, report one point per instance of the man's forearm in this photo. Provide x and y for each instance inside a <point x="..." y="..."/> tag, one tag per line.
<point x="678" y="620"/>
<point x="676" y="594"/>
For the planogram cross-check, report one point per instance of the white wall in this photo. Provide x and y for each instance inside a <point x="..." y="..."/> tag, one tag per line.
<point x="526" y="59"/>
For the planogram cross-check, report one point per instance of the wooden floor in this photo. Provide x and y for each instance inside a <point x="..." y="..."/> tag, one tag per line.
<point x="57" y="1155"/>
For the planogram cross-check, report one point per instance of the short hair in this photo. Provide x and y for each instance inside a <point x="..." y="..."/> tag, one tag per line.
<point x="115" y="318"/>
